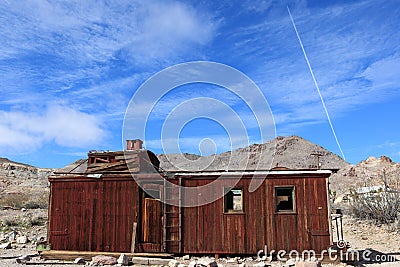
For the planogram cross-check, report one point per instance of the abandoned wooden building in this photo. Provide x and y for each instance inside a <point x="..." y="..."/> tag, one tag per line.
<point x="97" y="205"/>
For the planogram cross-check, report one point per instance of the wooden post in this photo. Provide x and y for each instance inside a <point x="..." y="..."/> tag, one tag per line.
<point x="133" y="237"/>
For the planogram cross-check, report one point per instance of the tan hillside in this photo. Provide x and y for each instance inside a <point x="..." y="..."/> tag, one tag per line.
<point x="292" y="152"/>
<point x="370" y="172"/>
<point x="18" y="178"/>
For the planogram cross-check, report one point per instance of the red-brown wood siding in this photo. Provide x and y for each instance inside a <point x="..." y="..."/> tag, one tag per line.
<point x="92" y="215"/>
<point x="98" y="215"/>
<point x="317" y="213"/>
<point x="152" y="221"/>
<point x="207" y="229"/>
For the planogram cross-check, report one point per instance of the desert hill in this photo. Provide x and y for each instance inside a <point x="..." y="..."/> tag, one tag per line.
<point x="16" y="178"/>
<point x="291" y="152"/>
<point x="370" y="172"/>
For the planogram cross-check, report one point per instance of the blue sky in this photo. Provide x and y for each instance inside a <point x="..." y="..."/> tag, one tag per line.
<point x="68" y="70"/>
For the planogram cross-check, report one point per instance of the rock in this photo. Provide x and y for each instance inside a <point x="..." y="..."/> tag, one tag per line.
<point x="242" y="264"/>
<point x="123" y="260"/>
<point x="33" y="238"/>
<point x="173" y="263"/>
<point x="23" y="239"/>
<point x="12" y="235"/>
<point x="232" y="260"/>
<point x="158" y="261"/>
<point x="192" y="264"/>
<point x="186" y="257"/>
<point x="249" y="259"/>
<point x="314" y="259"/>
<point x="265" y="258"/>
<point x="259" y="264"/>
<point x="5" y="245"/>
<point x="290" y="262"/>
<point x="182" y="265"/>
<point x="23" y="209"/>
<point x="105" y="260"/>
<point x="23" y="259"/>
<point x="140" y="261"/>
<point x="207" y="262"/>
<point x="79" y="261"/>
<point x="308" y="264"/>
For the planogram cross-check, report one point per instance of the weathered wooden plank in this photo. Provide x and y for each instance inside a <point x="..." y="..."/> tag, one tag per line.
<point x="87" y="255"/>
<point x="151" y="224"/>
<point x="133" y="242"/>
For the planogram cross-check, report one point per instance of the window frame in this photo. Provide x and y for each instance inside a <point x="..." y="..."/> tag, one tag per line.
<point x="294" y="206"/>
<point x="232" y="211"/>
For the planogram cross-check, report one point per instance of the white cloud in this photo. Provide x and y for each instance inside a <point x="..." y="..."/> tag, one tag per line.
<point x="345" y="50"/>
<point x="91" y="54"/>
<point x="94" y="31"/>
<point x="384" y="73"/>
<point x="62" y="125"/>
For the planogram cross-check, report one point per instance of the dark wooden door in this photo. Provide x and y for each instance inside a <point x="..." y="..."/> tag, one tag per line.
<point x="152" y="221"/>
<point x="318" y="217"/>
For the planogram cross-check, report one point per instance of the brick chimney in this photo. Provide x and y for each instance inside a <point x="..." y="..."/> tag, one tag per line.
<point x="136" y="144"/>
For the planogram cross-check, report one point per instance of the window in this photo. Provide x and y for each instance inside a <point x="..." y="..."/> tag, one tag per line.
<point x="284" y="199"/>
<point x="233" y="200"/>
<point x="152" y="193"/>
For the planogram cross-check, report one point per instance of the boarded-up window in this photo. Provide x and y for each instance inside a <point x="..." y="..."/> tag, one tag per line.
<point x="233" y="200"/>
<point x="284" y="199"/>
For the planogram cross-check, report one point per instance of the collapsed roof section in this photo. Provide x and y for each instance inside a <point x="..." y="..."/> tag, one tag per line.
<point x="134" y="159"/>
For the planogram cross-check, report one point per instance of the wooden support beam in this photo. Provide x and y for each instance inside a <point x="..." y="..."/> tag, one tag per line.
<point x="96" y="159"/>
<point x="87" y="255"/>
<point x="133" y="237"/>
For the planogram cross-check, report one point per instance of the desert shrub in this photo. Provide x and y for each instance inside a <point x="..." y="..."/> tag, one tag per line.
<point x="31" y="205"/>
<point x="12" y="222"/>
<point x="38" y="202"/>
<point x="18" y="201"/>
<point x="14" y="200"/>
<point x="382" y="206"/>
<point x="36" y="221"/>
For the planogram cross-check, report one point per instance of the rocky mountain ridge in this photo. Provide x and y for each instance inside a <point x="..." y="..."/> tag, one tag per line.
<point x="370" y="172"/>
<point x="18" y="177"/>
<point x="292" y="152"/>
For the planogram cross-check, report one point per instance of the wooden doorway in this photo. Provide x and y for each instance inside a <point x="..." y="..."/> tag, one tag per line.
<point x="151" y="222"/>
<point x="318" y="218"/>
